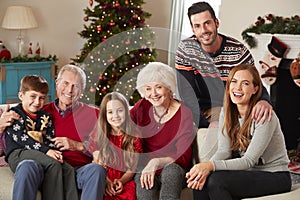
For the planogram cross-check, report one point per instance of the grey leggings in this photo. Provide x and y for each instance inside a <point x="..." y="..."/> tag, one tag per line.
<point x="170" y="183"/>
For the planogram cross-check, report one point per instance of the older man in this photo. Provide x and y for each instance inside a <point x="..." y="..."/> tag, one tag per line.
<point x="73" y="121"/>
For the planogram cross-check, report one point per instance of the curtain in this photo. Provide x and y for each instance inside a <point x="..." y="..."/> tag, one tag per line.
<point x="175" y="29"/>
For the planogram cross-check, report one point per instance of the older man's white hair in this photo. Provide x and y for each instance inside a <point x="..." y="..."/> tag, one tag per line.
<point x="75" y="69"/>
<point x="156" y="72"/>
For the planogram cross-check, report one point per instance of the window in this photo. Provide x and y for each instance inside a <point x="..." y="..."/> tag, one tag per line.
<point x="186" y="27"/>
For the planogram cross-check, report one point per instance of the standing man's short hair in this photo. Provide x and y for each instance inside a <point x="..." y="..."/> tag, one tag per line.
<point x="200" y="7"/>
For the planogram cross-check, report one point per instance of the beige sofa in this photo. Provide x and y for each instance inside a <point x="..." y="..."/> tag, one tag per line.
<point x="206" y="146"/>
<point x="6" y="185"/>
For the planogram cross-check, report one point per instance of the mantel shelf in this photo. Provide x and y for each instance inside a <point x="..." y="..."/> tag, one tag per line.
<point x="291" y="40"/>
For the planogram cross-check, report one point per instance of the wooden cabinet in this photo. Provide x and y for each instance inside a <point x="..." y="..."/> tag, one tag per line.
<point x="12" y="73"/>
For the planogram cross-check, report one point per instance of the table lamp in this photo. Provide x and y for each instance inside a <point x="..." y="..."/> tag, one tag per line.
<point x="19" y="17"/>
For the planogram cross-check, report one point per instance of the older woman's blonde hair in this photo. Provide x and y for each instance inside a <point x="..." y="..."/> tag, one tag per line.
<point x="156" y="72"/>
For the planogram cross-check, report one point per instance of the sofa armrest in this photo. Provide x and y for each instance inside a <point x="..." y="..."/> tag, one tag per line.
<point x="207" y="143"/>
<point x="7" y="184"/>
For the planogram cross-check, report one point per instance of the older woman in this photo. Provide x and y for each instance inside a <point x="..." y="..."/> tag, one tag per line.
<point x="251" y="160"/>
<point x="166" y="126"/>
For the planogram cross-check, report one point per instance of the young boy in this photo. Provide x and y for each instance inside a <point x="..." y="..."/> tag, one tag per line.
<point x="29" y="138"/>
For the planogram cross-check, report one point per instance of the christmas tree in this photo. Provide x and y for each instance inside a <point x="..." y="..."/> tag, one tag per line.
<point x="119" y="44"/>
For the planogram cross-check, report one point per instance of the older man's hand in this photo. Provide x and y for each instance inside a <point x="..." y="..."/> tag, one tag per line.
<point x="7" y="118"/>
<point x="64" y="143"/>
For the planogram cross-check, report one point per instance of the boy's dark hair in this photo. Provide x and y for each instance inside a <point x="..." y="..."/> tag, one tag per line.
<point x="200" y="7"/>
<point x="34" y="82"/>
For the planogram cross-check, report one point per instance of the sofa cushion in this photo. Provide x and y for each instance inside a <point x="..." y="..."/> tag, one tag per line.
<point x="207" y="143"/>
<point x="2" y="144"/>
<point x="2" y="139"/>
<point x="2" y="162"/>
<point x="6" y="184"/>
<point x="294" y="194"/>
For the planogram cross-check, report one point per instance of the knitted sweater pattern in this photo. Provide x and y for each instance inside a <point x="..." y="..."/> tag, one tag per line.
<point x="232" y="53"/>
<point x="77" y="125"/>
<point x="17" y="136"/>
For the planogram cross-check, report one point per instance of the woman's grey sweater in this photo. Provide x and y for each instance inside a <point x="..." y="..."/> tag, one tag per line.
<point x="267" y="145"/>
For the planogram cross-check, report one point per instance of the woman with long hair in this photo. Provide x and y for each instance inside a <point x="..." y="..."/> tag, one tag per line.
<point x="251" y="159"/>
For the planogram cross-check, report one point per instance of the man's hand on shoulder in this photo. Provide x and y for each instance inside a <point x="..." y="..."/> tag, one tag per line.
<point x="262" y="111"/>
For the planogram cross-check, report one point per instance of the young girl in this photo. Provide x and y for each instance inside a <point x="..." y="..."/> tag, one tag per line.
<point x="115" y="147"/>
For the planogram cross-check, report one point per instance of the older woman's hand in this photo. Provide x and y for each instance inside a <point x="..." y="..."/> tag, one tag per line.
<point x="197" y="176"/>
<point x="148" y="174"/>
<point x="7" y="118"/>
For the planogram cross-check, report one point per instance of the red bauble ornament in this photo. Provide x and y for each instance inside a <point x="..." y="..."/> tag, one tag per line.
<point x="127" y="42"/>
<point x="117" y="4"/>
<point x="83" y="52"/>
<point x="4" y="53"/>
<point x="86" y="18"/>
<point x="92" y="90"/>
<point x="111" y="59"/>
<point x="99" y="28"/>
<point x="112" y="23"/>
<point x="84" y="33"/>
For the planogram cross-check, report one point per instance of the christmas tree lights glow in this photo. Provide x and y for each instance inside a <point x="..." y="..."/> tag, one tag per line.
<point x="118" y="44"/>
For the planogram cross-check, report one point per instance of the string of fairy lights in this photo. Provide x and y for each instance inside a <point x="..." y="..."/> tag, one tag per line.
<point x="117" y="48"/>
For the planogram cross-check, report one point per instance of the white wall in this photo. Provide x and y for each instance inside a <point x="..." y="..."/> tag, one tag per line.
<point x="237" y="15"/>
<point x="58" y="24"/>
<point x="60" y="20"/>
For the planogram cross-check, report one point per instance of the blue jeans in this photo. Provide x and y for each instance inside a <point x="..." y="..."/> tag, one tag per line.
<point x="91" y="180"/>
<point x="52" y="174"/>
<point x="29" y="175"/>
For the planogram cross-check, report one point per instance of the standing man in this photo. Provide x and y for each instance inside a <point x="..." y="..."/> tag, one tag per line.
<point x="73" y="122"/>
<point x="203" y="62"/>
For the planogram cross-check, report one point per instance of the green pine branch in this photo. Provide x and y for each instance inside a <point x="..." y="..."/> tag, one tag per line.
<point x="271" y="24"/>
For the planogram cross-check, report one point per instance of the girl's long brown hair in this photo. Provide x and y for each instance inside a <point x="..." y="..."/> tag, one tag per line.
<point x="240" y="135"/>
<point x="107" y="153"/>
